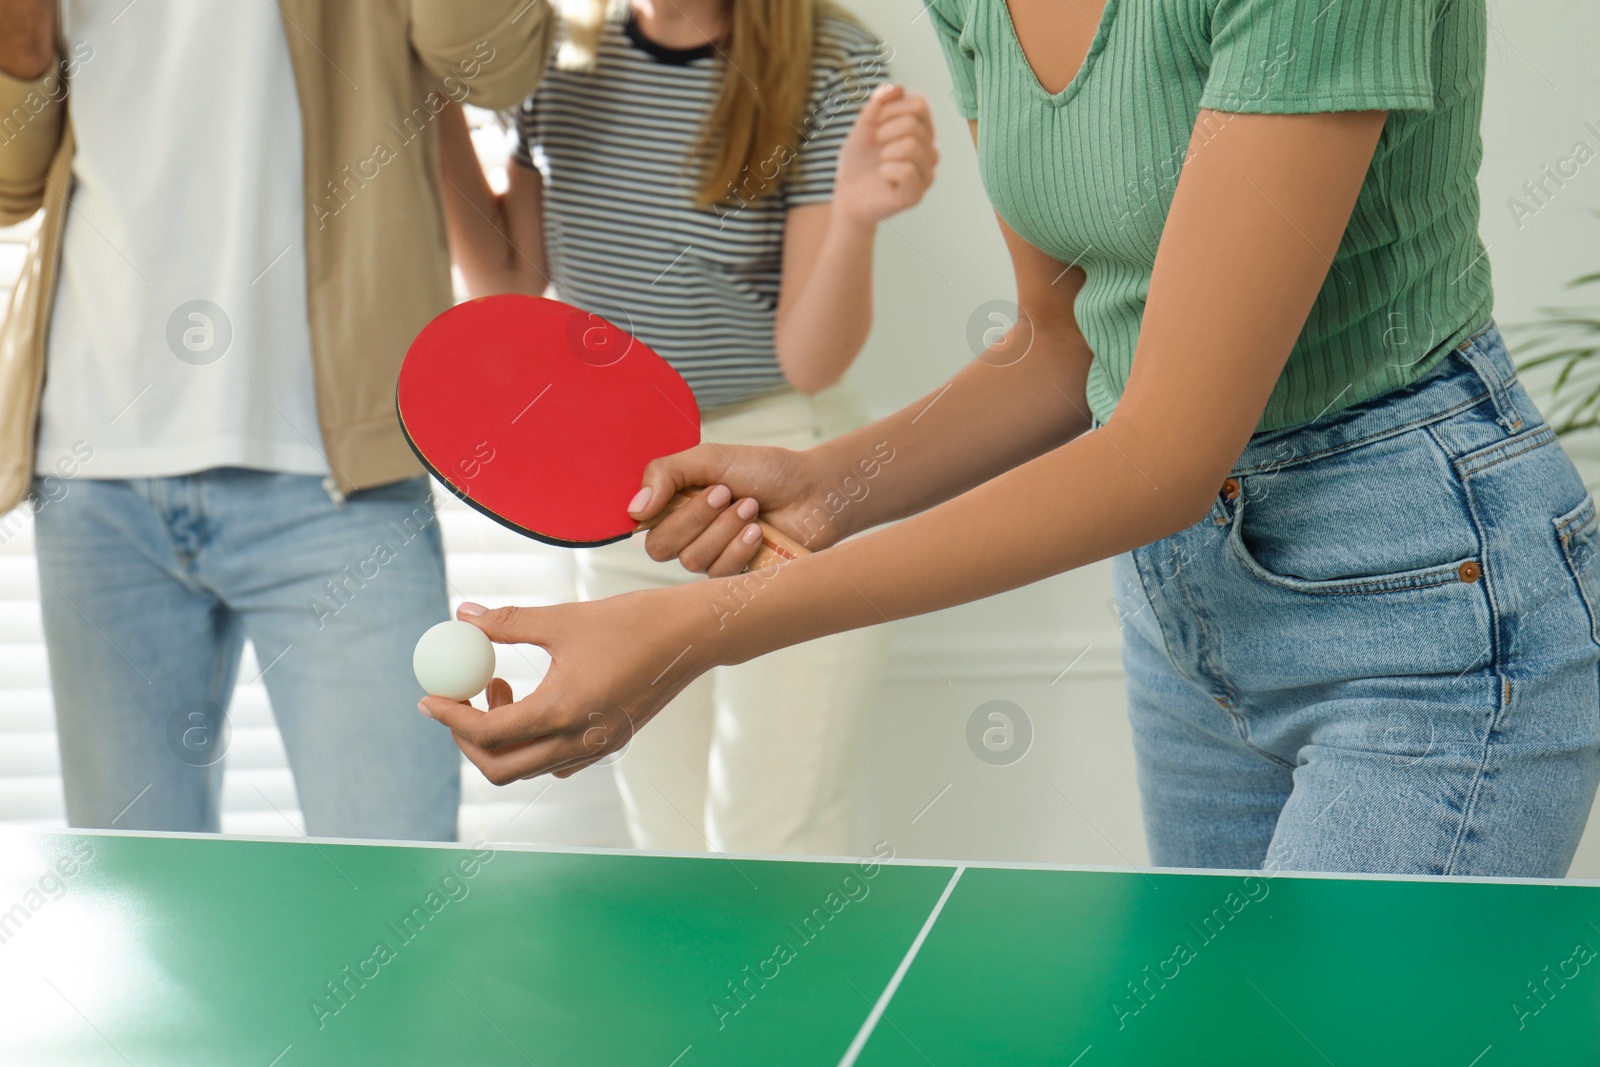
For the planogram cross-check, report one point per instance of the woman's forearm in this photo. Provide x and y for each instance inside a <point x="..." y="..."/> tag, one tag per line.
<point x="1047" y="516"/>
<point x="886" y="163"/>
<point x="476" y="220"/>
<point x="821" y="332"/>
<point x="1021" y="398"/>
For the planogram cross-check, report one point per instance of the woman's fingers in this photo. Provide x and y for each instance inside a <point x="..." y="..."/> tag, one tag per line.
<point x="910" y="143"/>
<point x="912" y="109"/>
<point x="896" y="166"/>
<point x="685" y="526"/>
<point x="907" y="179"/>
<point x="459" y="716"/>
<point x="779" y="479"/>
<point x="506" y="723"/>
<point x="531" y="746"/>
<point x="879" y="101"/>
<point x="921" y="156"/>
<point x="738" y="553"/>
<point x="905" y="127"/>
<point x="614" y="663"/>
<point x="504" y="766"/>
<point x="907" y="154"/>
<point x="705" y="550"/>
<point x="664" y="477"/>
<point x="511" y="625"/>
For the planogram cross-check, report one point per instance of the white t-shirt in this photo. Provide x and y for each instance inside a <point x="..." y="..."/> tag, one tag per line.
<point x="179" y="339"/>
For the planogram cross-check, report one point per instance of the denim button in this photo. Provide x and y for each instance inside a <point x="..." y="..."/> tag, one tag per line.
<point x="1470" y="571"/>
<point x="1230" y="489"/>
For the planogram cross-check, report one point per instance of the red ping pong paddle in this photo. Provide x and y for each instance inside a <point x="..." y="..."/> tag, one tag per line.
<point x="543" y="416"/>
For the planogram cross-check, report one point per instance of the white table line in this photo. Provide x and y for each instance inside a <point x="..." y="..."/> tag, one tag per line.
<point x="900" y="972"/>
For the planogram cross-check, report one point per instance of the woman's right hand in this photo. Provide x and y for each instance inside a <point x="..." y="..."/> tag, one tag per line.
<point x="715" y="533"/>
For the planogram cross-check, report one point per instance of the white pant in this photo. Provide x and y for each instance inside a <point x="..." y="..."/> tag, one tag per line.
<point x="759" y="757"/>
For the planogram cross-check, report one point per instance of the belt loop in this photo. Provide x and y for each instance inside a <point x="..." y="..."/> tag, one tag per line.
<point x="1505" y="410"/>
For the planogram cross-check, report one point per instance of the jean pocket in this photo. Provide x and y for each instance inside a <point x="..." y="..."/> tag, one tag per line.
<point x="1579" y="535"/>
<point x="1464" y="569"/>
<point x="1387" y="516"/>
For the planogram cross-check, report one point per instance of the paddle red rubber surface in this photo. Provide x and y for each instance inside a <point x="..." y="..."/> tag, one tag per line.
<point x="541" y="415"/>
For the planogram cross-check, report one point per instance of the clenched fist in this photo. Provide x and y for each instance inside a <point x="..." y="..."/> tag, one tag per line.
<point x="888" y="159"/>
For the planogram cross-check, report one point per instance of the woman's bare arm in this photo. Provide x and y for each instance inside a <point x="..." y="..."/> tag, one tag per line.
<point x="496" y="239"/>
<point x="825" y="304"/>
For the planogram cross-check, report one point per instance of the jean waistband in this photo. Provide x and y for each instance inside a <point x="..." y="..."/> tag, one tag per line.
<point x="1478" y="368"/>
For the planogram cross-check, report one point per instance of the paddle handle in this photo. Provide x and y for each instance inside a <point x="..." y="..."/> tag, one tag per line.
<point x="776" y="547"/>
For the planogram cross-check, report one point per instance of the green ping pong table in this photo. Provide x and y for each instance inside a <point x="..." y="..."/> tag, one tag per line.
<point x="145" y="949"/>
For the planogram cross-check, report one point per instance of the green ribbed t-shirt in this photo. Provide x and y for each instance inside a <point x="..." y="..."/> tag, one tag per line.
<point x="1087" y="174"/>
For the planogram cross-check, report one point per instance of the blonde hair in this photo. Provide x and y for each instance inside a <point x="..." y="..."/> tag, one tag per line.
<point x="766" y="59"/>
<point x="581" y="21"/>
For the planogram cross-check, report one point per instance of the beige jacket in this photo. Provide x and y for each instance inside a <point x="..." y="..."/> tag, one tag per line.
<point x="371" y="75"/>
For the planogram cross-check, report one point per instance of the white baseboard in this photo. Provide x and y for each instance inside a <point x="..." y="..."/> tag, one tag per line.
<point x="955" y="657"/>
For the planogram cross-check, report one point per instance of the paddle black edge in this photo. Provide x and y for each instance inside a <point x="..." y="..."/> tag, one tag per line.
<point x="439" y="477"/>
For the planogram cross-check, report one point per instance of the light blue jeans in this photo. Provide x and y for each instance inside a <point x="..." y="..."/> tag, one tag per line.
<point x="1380" y="651"/>
<point x="150" y="586"/>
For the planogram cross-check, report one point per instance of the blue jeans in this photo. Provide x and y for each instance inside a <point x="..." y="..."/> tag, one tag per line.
<point x="150" y="586"/>
<point x="1380" y="651"/>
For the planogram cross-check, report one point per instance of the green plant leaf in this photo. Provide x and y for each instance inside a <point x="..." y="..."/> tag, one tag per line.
<point x="1569" y="336"/>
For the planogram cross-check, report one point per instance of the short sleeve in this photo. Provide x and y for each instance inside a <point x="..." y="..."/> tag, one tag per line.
<point x="855" y="62"/>
<point x="956" y="56"/>
<point x="1295" y="56"/>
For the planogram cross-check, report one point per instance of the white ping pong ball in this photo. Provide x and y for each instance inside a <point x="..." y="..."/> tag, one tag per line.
<point x="454" y="659"/>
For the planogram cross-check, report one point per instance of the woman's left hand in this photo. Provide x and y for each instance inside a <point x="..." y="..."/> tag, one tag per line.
<point x="614" y="663"/>
<point x="889" y="157"/>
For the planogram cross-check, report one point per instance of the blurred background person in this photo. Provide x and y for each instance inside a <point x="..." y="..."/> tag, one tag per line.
<point x="241" y="235"/>
<point x="710" y="176"/>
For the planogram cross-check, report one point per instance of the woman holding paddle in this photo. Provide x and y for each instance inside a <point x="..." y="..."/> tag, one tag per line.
<point x="1257" y="367"/>
<point x="709" y="176"/>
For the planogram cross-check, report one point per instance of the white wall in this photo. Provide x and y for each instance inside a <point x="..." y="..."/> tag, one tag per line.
<point x="1072" y="798"/>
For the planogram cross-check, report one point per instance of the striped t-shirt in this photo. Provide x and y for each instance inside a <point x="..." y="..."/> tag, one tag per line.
<point x="615" y="149"/>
